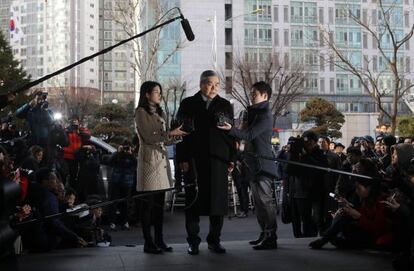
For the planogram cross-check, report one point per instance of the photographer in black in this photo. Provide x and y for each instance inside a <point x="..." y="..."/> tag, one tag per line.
<point x="123" y="164"/>
<point x="306" y="187"/>
<point x="88" y="175"/>
<point x="38" y="117"/>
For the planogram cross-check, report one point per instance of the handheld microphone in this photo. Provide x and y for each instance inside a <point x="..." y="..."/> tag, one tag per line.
<point x="186" y="27"/>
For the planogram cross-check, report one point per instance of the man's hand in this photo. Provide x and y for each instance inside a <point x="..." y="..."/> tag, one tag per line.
<point x="33" y="102"/>
<point x="82" y="242"/>
<point x="226" y="126"/>
<point x="184" y="166"/>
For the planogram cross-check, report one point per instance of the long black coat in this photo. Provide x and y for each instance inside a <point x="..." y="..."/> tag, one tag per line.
<point x="209" y="151"/>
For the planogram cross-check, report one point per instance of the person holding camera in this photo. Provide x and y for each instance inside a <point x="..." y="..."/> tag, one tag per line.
<point x="259" y="134"/>
<point x="306" y="184"/>
<point x="38" y="117"/>
<point x="77" y="136"/>
<point x="123" y="163"/>
<point x="153" y="170"/>
<point x="204" y="157"/>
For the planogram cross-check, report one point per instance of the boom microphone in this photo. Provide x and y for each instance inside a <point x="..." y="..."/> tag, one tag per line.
<point x="186" y="27"/>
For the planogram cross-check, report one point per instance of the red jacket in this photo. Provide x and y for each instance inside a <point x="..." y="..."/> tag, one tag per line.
<point x="76" y="140"/>
<point x="375" y="221"/>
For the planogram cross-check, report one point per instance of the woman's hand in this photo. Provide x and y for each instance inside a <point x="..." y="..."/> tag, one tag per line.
<point x="391" y="204"/>
<point x="227" y="126"/>
<point x="177" y="132"/>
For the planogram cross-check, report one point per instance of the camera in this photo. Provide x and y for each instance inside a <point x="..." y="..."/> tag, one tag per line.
<point x="296" y="145"/>
<point x="222" y="119"/>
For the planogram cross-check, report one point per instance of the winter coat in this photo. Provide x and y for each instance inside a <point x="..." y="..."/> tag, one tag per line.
<point x="259" y="135"/>
<point x="208" y="150"/>
<point x="153" y="169"/>
<point x="39" y="121"/>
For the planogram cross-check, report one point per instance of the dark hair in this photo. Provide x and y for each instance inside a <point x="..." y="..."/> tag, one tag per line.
<point x="146" y="88"/>
<point x="368" y="168"/>
<point x="34" y="150"/>
<point x="70" y="191"/>
<point x="263" y="88"/>
<point x="325" y="138"/>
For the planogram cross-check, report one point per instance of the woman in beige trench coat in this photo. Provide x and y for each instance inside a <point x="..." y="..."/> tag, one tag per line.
<point x="153" y="170"/>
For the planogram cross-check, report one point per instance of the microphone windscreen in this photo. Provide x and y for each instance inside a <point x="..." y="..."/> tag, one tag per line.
<point x="187" y="29"/>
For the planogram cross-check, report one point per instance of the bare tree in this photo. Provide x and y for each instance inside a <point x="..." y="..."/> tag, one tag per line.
<point x="77" y="102"/>
<point x="173" y="94"/>
<point x="132" y="16"/>
<point x="389" y="41"/>
<point x="289" y="82"/>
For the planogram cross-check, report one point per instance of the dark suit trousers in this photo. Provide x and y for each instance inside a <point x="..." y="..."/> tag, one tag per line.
<point x="192" y="225"/>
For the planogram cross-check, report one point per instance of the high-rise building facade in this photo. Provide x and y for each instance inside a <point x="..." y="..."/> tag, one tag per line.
<point x="50" y="35"/>
<point x="5" y="16"/>
<point x="290" y="31"/>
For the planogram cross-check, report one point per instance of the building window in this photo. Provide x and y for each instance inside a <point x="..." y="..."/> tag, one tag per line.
<point x="229" y="60"/>
<point x="407" y="45"/>
<point x="375" y="63"/>
<point x="276" y="37"/>
<point x="321" y="63"/>
<point x="91" y="26"/>
<point x="374" y="17"/>
<point x="365" y="40"/>
<point x="331" y="63"/>
<point x="322" y="87"/>
<point x="286" y="37"/>
<point x="286" y="60"/>
<point x="229" y="36"/>
<point x="364" y="17"/>
<point x="407" y="64"/>
<point x="331" y="15"/>
<point x="275" y="14"/>
<point x="229" y="85"/>
<point x="332" y="85"/>
<point x="286" y="14"/>
<point x="321" y="15"/>
<point x="228" y="13"/>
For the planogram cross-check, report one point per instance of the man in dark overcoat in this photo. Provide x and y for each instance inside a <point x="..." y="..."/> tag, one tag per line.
<point x="205" y="154"/>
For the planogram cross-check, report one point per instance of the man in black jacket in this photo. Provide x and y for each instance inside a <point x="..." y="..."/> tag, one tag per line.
<point x="259" y="133"/>
<point x="206" y="154"/>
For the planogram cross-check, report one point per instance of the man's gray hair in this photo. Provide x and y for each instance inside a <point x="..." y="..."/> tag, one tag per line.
<point x="206" y="74"/>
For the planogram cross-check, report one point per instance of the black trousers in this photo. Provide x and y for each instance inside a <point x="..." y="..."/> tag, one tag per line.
<point x="242" y="185"/>
<point x="119" y="190"/>
<point x="302" y="221"/>
<point x="152" y="213"/>
<point x="192" y="225"/>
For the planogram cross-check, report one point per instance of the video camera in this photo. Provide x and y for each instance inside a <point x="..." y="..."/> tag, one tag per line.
<point x="296" y="145"/>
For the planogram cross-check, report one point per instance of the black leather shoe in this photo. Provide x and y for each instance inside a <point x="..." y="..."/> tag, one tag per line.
<point x="152" y="250"/>
<point x="269" y="242"/>
<point x="260" y="239"/>
<point x="217" y="248"/>
<point x="193" y="250"/>
<point x="318" y="243"/>
<point x="163" y="246"/>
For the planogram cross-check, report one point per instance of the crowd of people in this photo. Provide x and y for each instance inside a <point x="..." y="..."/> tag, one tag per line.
<point x="57" y="169"/>
<point x="351" y="211"/>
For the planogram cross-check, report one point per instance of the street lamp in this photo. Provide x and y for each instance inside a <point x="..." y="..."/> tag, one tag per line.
<point x="213" y="21"/>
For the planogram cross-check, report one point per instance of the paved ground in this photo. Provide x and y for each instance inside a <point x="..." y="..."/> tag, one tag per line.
<point x="126" y="254"/>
